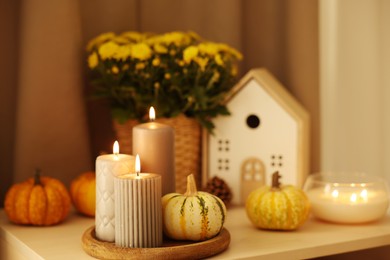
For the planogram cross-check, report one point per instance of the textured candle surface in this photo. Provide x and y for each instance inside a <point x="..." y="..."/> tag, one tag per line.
<point x="108" y="166"/>
<point x="138" y="216"/>
<point x="154" y="142"/>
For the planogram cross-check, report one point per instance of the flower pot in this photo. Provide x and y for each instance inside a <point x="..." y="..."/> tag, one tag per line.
<point x="187" y="146"/>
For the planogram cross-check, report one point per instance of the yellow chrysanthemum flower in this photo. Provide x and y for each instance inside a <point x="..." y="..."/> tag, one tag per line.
<point x="159" y="48"/>
<point x="190" y="53"/>
<point x="140" y="66"/>
<point x="230" y="50"/>
<point x="208" y="48"/>
<point x="236" y="53"/>
<point x="93" y="60"/>
<point x="120" y="40"/>
<point x="133" y="36"/>
<point x="167" y="75"/>
<point x="194" y="35"/>
<point x="123" y="52"/>
<point x="172" y="52"/>
<point x="156" y="62"/>
<point x="99" y="39"/>
<point x="218" y="59"/>
<point x="181" y="63"/>
<point x="202" y="62"/>
<point x="141" y="51"/>
<point x="108" y="50"/>
<point x="176" y="38"/>
<point x="115" y="70"/>
<point x="157" y="39"/>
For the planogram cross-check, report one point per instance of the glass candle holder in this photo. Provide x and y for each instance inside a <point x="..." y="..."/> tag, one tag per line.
<point x="347" y="197"/>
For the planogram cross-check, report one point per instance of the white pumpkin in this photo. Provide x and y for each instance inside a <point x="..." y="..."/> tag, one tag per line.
<point x="194" y="215"/>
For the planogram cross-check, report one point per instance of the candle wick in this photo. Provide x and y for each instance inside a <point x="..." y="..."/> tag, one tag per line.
<point x="137" y="173"/>
<point x="116" y="156"/>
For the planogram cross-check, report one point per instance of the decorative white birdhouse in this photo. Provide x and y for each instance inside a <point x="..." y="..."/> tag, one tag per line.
<point x="267" y="131"/>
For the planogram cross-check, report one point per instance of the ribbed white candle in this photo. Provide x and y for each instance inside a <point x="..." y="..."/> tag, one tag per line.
<point x="138" y="203"/>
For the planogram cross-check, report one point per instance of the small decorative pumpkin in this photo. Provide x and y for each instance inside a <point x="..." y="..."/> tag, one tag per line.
<point x="83" y="193"/>
<point x="278" y="207"/>
<point x="39" y="201"/>
<point x="194" y="215"/>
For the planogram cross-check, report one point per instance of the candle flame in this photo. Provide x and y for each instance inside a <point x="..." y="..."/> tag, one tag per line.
<point x="364" y="195"/>
<point x="353" y="197"/>
<point x="115" y="148"/>
<point x="335" y="194"/>
<point x="137" y="165"/>
<point x="152" y="114"/>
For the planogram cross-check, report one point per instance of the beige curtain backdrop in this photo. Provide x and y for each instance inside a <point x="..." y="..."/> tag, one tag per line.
<point x="355" y="87"/>
<point x="45" y="118"/>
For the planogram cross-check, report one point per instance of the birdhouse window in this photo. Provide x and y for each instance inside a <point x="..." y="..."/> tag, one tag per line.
<point x="223" y="145"/>
<point x="223" y="164"/>
<point x="253" y="121"/>
<point x="276" y="160"/>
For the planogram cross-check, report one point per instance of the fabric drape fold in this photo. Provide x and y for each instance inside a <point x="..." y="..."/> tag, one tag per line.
<point x="51" y="125"/>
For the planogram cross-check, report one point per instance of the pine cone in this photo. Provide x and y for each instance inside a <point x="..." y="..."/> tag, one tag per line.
<point x="219" y="188"/>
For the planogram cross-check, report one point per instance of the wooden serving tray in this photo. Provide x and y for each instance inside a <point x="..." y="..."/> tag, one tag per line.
<point x="170" y="249"/>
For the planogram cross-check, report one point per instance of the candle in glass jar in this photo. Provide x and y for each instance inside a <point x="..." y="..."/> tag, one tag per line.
<point x="108" y="166"/>
<point x="348" y="204"/>
<point x="154" y="142"/>
<point x="138" y="216"/>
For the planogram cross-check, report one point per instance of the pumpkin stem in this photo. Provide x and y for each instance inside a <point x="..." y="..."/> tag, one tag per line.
<point x="191" y="186"/>
<point x="275" y="180"/>
<point x="37" y="177"/>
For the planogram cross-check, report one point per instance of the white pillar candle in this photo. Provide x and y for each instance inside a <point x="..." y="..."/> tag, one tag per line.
<point x="138" y="216"/>
<point x="154" y="142"/>
<point x="108" y="166"/>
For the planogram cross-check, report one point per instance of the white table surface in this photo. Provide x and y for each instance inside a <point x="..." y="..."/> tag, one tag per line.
<point x="313" y="239"/>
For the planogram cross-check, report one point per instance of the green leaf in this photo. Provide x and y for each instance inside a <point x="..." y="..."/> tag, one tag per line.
<point x="120" y="115"/>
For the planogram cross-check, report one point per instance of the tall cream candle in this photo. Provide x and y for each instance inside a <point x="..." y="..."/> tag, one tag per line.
<point x="138" y="216"/>
<point x="154" y="142"/>
<point x="108" y="166"/>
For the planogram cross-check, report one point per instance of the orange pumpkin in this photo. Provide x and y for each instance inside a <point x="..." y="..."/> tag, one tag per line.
<point x="83" y="193"/>
<point x="39" y="201"/>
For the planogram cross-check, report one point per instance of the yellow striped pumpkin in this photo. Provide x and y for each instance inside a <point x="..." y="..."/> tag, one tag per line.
<point x="279" y="207"/>
<point x="194" y="215"/>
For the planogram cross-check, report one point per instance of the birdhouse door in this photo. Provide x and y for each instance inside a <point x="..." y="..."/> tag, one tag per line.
<point x="252" y="176"/>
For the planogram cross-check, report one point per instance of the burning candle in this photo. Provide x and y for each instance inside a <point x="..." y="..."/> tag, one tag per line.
<point x="138" y="216"/>
<point x="359" y="201"/>
<point x="108" y="166"/>
<point x="154" y="142"/>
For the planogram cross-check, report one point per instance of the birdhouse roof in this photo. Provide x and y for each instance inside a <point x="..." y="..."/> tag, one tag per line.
<point x="274" y="88"/>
